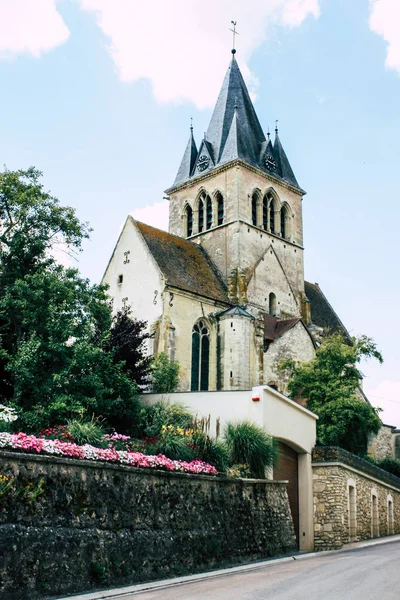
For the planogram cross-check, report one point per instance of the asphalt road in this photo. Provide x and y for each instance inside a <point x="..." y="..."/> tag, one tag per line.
<point x="360" y="574"/>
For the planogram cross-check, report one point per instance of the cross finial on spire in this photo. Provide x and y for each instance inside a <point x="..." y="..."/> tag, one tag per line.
<point x="276" y="125"/>
<point x="268" y="133"/>
<point x="235" y="33"/>
<point x="191" y="124"/>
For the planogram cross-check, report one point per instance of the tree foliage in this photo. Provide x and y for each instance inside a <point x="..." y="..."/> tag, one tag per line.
<point x="55" y="358"/>
<point x="128" y="341"/>
<point x="165" y="374"/>
<point x="330" y="385"/>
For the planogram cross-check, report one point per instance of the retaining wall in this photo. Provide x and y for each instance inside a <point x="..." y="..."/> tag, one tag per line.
<point x="68" y="526"/>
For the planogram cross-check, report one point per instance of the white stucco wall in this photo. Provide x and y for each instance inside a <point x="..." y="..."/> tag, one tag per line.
<point x="281" y="417"/>
<point x="141" y="276"/>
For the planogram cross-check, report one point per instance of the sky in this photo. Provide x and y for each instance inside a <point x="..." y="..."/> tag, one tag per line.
<point x="98" y="94"/>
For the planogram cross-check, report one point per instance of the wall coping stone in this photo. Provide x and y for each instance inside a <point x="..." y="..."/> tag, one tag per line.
<point x="334" y="454"/>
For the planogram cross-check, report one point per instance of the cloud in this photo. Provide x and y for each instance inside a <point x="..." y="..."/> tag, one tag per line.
<point x="153" y="214"/>
<point x="386" y="395"/>
<point x="182" y="47"/>
<point x="28" y="27"/>
<point x="385" y="21"/>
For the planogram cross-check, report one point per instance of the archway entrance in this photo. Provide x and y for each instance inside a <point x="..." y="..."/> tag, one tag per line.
<point x="286" y="468"/>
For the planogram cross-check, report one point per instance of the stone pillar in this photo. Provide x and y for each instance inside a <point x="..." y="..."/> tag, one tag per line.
<point x="306" y="524"/>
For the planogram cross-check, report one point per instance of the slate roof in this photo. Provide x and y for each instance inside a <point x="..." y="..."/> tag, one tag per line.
<point x="183" y="264"/>
<point x="235" y="132"/>
<point x="234" y="311"/>
<point x="275" y="328"/>
<point x="322" y="313"/>
<point x="188" y="160"/>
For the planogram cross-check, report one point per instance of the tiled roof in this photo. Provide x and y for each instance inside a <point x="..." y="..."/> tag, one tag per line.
<point x="322" y="313"/>
<point x="234" y="133"/>
<point x="184" y="264"/>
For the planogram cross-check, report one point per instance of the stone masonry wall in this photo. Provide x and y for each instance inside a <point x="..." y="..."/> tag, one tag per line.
<point x="333" y="471"/>
<point x="68" y="526"/>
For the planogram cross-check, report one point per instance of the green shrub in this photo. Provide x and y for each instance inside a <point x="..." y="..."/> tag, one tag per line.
<point x="173" y="447"/>
<point x="390" y="464"/>
<point x="86" y="432"/>
<point x="163" y="413"/>
<point x="249" y="444"/>
<point x="165" y="374"/>
<point x="212" y="451"/>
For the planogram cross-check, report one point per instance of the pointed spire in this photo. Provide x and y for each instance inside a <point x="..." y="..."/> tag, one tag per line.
<point x="282" y="162"/>
<point x="234" y="92"/>
<point x="188" y="160"/>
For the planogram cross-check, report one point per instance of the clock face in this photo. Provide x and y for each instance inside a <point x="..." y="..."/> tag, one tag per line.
<point x="270" y="162"/>
<point x="203" y="162"/>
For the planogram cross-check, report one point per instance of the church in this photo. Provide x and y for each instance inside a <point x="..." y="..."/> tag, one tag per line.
<point x="224" y="292"/>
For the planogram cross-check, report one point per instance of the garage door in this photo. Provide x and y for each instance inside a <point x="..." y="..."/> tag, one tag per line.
<point x="286" y="467"/>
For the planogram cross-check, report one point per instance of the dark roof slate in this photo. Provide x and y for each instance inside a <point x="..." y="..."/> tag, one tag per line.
<point x="184" y="264"/>
<point x="235" y="132"/>
<point x="322" y="313"/>
<point x="282" y="163"/>
<point x="275" y="328"/>
<point x="188" y="161"/>
<point x="235" y="311"/>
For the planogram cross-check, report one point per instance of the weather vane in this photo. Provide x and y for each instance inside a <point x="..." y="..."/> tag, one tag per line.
<point x="235" y="33"/>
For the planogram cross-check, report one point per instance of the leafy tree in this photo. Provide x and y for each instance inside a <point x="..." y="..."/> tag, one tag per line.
<point x="165" y="374"/>
<point x="329" y="383"/>
<point x="55" y="361"/>
<point x="128" y="341"/>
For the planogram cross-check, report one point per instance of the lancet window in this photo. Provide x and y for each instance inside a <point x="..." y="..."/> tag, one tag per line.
<point x="200" y="357"/>
<point x="208" y="213"/>
<point x="201" y="216"/>
<point x="254" y="201"/>
<point x="272" y="304"/>
<point x="272" y="216"/>
<point x="220" y="208"/>
<point x="265" y="212"/>
<point x="189" y="221"/>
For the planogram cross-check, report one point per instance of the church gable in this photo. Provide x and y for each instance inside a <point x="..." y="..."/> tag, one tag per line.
<point x="293" y="341"/>
<point x="133" y="276"/>
<point x="269" y="287"/>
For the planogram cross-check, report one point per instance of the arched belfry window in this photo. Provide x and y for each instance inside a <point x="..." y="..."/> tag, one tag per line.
<point x="200" y="356"/>
<point x="272" y="215"/>
<point x="254" y="201"/>
<point x="284" y="222"/>
<point x="265" y="212"/>
<point x="201" y="216"/>
<point x="272" y="304"/>
<point x="220" y="208"/>
<point x="208" y="213"/>
<point x="189" y="221"/>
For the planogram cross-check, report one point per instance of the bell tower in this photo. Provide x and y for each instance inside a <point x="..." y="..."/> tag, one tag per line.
<point x="238" y="197"/>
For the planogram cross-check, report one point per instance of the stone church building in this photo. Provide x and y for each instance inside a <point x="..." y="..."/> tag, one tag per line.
<point x="224" y="291"/>
<point x="224" y="294"/>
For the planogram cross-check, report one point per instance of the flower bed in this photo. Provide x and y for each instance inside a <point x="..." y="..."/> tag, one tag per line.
<point x="30" y="443"/>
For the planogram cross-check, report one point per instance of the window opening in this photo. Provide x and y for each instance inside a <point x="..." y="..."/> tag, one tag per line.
<point x="208" y="213"/>
<point x="201" y="216"/>
<point x="120" y="279"/>
<point x="272" y="304"/>
<point x="272" y="217"/>
<point x="352" y="514"/>
<point x="375" y="524"/>
<point x="265" y="213"/>
<point x="200" y="357"/>
<point x="283" y="222"/>
<point x="189" y="221"/>
<point x="254" y="209"/>
<point x="220" y="206"/>
<point x="390" y="517"/>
